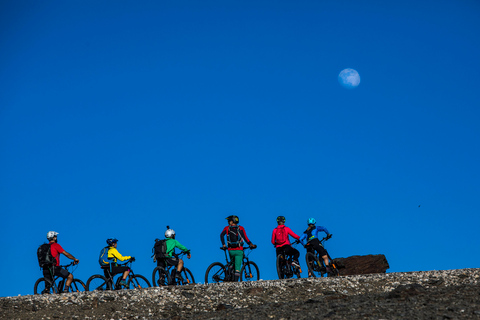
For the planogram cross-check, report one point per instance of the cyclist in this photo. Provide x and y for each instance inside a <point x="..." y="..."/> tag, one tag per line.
<point x="171" y="260"/>
<point x="236" y="236"/>
<point x="282" y="243"/>
<point x="114" y="256"/>
<point x="56" y="250"/>
<point x="310" y="241"/>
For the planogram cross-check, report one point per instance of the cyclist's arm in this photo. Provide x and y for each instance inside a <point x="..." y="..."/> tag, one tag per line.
<point x="320" y="229"/>
<point x="291" y="233"/>
<point x="69" y="256"/>
<point x="222" y="236"/>
<point x="180" y="246"/>
<point x="243" y="234"/>
<point x="114" y="252"/>
<point x="303" y="238"/>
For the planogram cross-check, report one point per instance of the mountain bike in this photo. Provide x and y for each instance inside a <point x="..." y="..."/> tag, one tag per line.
<point x="163" y="275"/>
<point x="285" y="268"/>
<point x="112" y="282"/>
<point x="44" y="285"/>
<point x="316" y="264"/>
<point x="218" y="272"/>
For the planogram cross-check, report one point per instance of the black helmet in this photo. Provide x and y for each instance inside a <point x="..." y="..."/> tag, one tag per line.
<point x="233" y="218"/>
<point x="111" y="241"/>
<point x="280" y="219"/>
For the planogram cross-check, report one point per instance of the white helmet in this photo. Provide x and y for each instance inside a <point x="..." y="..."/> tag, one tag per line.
<point x="169" y="233"/>
<point x="51" y="235"/>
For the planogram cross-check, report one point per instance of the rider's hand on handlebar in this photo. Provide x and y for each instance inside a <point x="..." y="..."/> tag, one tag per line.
<point x="132" y="259"/>
<point x="76" y="261"/>
<point x="253" y="246"/>
<point x="329" y="236"/>
<point x="189" y="255"/>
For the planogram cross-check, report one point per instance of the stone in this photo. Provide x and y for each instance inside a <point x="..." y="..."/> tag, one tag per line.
<point x="367" y="264"/>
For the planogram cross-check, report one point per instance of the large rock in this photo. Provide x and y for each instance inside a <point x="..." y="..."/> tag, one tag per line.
<point x="362" y="264"/>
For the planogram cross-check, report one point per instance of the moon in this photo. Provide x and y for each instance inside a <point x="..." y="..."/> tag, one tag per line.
<point x="349" y="78"/>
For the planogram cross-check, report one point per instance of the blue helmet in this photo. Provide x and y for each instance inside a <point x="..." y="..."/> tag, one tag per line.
<point x="311" y="221"/>
<point x="111" y="241"/>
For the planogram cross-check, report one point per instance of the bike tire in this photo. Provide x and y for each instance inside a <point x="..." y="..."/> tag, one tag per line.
<point x="250" y="272"/>
<point x="334" y="272"/>
<point x="40" y="286"/>
<point x="98" y="282"/>
<point x="312" y="263"/>
<point x="187" y="277"/>
<point x="281" y="266"/>
<point x="78" y="286"/>
<point x="138" y="282"/>
<point x="160" y="277"/>
<point x="216" y="273"/>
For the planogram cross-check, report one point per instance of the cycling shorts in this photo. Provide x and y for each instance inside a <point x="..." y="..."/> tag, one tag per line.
<point x="316" y="245"/>
<point x="57" y="272"/>
<point x="172" y="261"/>
<point x="114" y="270"/>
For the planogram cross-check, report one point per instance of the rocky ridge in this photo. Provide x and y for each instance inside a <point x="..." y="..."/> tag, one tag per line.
<point x="448" y="294"/>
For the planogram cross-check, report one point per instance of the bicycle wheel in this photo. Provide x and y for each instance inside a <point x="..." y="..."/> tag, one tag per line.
<point x="312" y="263"/>
<point x="138" y="282"/>
<point x="160" y="277"/>
<point x="97" y="283"/>
<point x="281" y="267"/>
<point x="334" y="271"/>
<point x="216" y="273"/>
<point x="77" y="286"/>
<point x="250" y="272"/>
<point x="43" y="286"/>
<point x="187" y="277"/>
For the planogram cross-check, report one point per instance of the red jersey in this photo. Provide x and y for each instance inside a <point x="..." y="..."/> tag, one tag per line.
<point x="243" y="235"/>
<point x="56" y="249"/>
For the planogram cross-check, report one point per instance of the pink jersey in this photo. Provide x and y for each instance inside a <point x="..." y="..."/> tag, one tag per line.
<point x="289" y="233"/>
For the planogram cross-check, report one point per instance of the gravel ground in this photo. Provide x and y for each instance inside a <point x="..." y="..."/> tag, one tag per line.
<point x="451" y="294"/>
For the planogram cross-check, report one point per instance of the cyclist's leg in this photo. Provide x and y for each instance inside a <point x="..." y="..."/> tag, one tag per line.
<point x="67" y="276"/>
<point x="237" y="257"/>
<point x="174" y="262"/>
<point x="124" y="270"/>
<point x="48" y="275"/>
<point x="310" y="249"/>
<point x="180" y="266"/>
<point x="289" y="250"/>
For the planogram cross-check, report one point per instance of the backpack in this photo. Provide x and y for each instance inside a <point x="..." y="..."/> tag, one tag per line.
<point x="45" y="257"/>
<point x="103" y="259"/>
<point x="234" y="239"/>
<point x="281" y="235"/>
<point x="160" y="249"/>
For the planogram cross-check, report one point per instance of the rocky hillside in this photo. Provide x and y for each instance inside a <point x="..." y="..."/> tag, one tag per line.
<point x="449" y="294"/>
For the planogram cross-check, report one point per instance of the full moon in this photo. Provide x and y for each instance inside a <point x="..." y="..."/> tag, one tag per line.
<point x="349" y="78"/>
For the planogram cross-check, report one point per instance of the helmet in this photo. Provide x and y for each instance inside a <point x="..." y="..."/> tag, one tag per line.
<point x="311" y="221"/>
<point x="169" y="233"/>
<point x="280" y="219"/>
<point x="51" y="234"/>
<point x="233" y="218"/>
<point x="111" y="241"/>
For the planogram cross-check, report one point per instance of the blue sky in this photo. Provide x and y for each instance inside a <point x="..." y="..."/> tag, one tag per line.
<point x="118" y="118"/>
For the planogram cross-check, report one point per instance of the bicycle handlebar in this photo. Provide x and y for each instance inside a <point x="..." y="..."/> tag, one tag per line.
<point x="67" y="265"/>
<point x="243" y="248"/>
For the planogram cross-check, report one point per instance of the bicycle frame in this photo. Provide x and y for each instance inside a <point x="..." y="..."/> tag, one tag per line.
<point x="287" y="261"/>
<point x="131" y="275"/>
<point x="229" y="265"/>
<point x="322" y="262"/>
<point x="169" y="268"/>
<point x="58" y="288"/>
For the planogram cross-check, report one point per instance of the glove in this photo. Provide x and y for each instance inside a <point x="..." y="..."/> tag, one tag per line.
<point x="132" y="259"/>
<point x="253" y="246"/>
<point x="329" y="236"/>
